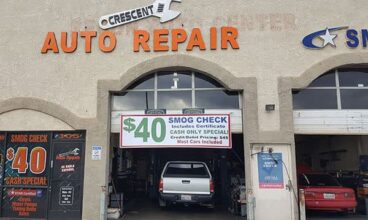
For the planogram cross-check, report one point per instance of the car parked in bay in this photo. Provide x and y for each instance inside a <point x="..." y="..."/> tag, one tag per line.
<point x="186" y="182"/>
<point x="323" y="192"/>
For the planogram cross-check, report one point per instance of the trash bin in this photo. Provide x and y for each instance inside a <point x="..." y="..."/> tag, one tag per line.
<point x="117" y="201"/>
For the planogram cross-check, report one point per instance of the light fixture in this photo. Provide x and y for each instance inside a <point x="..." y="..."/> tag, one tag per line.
<point x="270" y="107"/>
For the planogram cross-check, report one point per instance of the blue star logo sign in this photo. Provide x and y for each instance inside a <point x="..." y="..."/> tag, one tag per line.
<point x="324" y="35"/>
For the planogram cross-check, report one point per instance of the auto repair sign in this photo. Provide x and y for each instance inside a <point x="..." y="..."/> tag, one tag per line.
<point x="161" y="39"/>
<point x="165" y="131"/>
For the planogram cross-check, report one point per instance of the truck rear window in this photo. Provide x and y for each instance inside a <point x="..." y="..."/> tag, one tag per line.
<point x="194" y="170"/>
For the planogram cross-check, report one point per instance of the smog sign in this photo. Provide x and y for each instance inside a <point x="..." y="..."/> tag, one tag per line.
<point x="26" y="175"/>
<point x="26" y="159"/>
<point x="195" y="131"/>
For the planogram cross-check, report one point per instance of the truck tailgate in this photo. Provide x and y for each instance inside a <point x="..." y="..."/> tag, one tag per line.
<point x="186" y="185"/>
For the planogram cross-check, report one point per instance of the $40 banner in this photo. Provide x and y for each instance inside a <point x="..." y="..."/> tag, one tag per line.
<point x="146" y="129"/>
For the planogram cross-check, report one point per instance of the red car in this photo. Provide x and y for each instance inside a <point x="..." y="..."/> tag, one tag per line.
<point x="324" y="192"/>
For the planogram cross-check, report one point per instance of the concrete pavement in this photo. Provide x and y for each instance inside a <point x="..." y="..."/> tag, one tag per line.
<point x="142" y="209"/>
<point x="333" y="216"/>
<point x="145" y="209"/>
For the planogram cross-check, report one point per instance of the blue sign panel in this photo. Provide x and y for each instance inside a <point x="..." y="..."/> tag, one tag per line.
<point x="321" y="38"/>
<point x="270" y="171"/>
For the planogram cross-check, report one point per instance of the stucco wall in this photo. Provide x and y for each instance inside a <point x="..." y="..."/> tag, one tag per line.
<point x="28" y="120"/>
<point x="270" y="34"/>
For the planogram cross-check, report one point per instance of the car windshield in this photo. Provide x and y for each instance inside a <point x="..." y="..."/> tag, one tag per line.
<point x="321" y="180"/>
<point x="195" y="170"/>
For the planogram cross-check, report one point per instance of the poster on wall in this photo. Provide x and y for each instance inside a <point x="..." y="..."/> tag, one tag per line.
<point x="67" y="175"/>
<point x="24" y="202"/>
<point x="26" y="159"/>
<point x="270" y="171"/>
<point x="96" y="152"/>
<point x="26" y="175"/>
<point x="66" y="195"/>
<point x="67" y="157"/>
<point x="190" y="131"/>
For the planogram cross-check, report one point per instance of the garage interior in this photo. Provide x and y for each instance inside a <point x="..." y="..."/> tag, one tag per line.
<point x="338" y="155"/>
<point x="135" y="175"/>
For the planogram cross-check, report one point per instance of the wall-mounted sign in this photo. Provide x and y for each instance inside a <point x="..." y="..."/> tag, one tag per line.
<point x="270" y="170"/>
<point x="143" y="40"/>
<point x="27" y="159"/>
<point x="192" y="131"/>
<point x="327" y="36"/>
<point x="66" y="199"/>
<point x="96" y="152"/>
<point x="160" y="9"/>
<point x="67" y="159"/>
<point x="26" y="174"/>
<point x="107" y="40"/>
<point x="29" y="203"/>
<point x="67" y="175"/>
<point x="66" y="195"/>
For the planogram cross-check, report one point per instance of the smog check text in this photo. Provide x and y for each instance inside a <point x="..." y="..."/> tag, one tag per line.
<point x="199" y="130"/>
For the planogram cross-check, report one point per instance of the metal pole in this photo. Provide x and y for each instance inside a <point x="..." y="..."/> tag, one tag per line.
<point x="302" y="205"/>
<point x="251" y="203"/>
<point x="103" y="203"/>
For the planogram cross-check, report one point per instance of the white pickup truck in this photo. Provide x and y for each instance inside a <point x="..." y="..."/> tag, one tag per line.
<point x="187" y="182"/>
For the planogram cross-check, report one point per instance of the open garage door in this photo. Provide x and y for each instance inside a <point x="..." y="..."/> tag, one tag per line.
<point x="177" y="149"/>
<point x="332" y="171"/>
<point x="332" y="143"/>
<point x="136" y="175"/>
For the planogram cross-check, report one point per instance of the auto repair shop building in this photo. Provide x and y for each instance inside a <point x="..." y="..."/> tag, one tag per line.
<point x="71" y="71"/>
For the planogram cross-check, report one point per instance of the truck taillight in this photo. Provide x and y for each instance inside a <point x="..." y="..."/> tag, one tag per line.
<point x="161" y="186"/>
<point x="212" y="186"/>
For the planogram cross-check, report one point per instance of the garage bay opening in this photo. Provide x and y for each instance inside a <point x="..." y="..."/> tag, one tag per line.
<point x="177" y="149"/>
<point x="332" y="169"/>
<point x="330" y="122"/>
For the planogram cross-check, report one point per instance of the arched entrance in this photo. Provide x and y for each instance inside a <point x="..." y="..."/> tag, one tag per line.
<point x="331" y="142"/>
<point x="178" y="95"/>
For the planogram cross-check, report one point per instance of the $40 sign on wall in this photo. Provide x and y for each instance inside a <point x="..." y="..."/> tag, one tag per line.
<point x="36" y="162"/>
